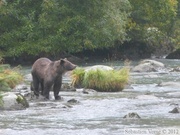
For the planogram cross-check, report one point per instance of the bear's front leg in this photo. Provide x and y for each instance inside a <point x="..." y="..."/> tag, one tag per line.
<point x="57" y="87"/>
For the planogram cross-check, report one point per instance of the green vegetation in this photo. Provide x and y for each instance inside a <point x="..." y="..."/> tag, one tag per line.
<point x="53" y="26"/>
<point x="9" y="78"/>
<point x="101" y="80"/>
<point x="78" y="77"/>
<point x="49" y="27"/>
<point x="22" y="100"/>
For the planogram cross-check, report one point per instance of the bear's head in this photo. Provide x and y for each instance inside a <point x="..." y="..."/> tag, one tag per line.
<point x="63" y="65"/>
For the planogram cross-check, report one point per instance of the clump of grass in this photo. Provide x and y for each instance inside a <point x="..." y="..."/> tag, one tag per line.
<point x="102" y="80"/>
<point x="78" y="75"/>
<point x="9" y="78"/>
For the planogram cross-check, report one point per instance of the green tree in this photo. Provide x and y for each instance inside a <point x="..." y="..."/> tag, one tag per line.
<point x="152" y="22"/>
<point x="52" y="26"/>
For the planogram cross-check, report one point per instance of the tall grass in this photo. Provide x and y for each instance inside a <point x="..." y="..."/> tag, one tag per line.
<point x="9" y="78"/>
<point x="78" y="75"/>
<point x="101" y="80"/>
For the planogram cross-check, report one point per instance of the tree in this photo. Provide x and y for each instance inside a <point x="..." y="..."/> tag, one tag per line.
<point x="53" y="26"/>
<point x="152" y="22"/>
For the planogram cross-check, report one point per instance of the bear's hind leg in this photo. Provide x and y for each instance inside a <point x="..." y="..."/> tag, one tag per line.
<point x="36" y="86"/>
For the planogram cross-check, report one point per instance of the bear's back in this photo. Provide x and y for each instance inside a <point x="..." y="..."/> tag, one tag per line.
<point x="40" y="65"/>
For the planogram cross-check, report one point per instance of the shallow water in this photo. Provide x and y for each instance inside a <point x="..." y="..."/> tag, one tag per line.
<point x="102" y="113"/>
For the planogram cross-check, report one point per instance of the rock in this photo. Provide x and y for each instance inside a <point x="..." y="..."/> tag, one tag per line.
<point x="12" y="101"/>
<point x="175" y="110"/>
<point x="154" y="63"/>
<point x="176" y="69"/>
<point x="132" y="115"/>
<point x="148" y="66"/>
<point x="88" y="91"/>
<point x="100" y="67"/>
<point x="73" y="101"/>
<point x="169" y="84"/>
<point x="146" y="97"/>
<point x="174" y="55"/>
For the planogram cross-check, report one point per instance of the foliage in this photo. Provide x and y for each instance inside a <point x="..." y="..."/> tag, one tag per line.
<point x="152" y="22"/>
<point x="102" y="80"/>
<point x="9" y="78"/>
<point x="78" y="75"/>
<point x="51" y="26"/>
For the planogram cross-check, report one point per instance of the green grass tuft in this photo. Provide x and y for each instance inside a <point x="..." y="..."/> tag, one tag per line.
<point x="78" y="75"/>
<point x="101" y="80"/>
<point x="9" y="78"/>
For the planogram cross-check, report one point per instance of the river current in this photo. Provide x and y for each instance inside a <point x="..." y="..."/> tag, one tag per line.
<point x="99" y="113"/>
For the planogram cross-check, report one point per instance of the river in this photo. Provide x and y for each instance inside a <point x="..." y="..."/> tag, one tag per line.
<point x="99" y="113"/>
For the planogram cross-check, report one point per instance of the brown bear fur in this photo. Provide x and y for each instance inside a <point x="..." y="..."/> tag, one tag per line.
<point x="47" y="74"/>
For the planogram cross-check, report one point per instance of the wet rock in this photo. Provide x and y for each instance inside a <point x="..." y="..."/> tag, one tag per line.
<point x="24" y="89"/>
<point x="169" y="84"/>
<point x="176" y="69"/>
<point x="148" y="66"/>
<point x="88" y="91"/>
<point x="175" y="110"/>
<point x="101" y="67"/>
<point x="12" y="101"/>
<point x="175" y="104"/>
<point x="73" y="101"/>
<point x="132" y="115"/>
<point x="67" y="106"/>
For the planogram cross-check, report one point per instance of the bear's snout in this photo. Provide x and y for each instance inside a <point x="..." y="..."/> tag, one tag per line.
<point x="73" y="67"/>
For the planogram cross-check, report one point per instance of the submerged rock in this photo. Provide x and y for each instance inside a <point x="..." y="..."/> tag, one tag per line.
<point x="148" y="66"/>
<point x="132" y="115"/>
<point x="73" y="101"/>
<point x="12" y="101"/>
<point x="169" y="84"/>
<point x="88" y="91"/>
<point x="175" y="110"/>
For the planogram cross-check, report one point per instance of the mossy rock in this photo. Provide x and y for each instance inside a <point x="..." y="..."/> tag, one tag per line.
<point x="22" y="100"/>
<point x="12" y="101"/>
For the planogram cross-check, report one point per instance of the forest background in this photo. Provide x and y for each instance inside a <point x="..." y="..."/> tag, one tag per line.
<point x="115" y="29"/>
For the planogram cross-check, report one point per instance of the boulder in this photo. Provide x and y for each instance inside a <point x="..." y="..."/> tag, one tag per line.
<point x="175" y="110"/>
<point x="12" y="101"/>
<point x="148" y="66"/>
<point x="100" y="67"/>
<point x="132" y="115"/>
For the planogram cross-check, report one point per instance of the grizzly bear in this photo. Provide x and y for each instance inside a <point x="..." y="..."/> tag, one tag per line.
<point x="47" y="74"/>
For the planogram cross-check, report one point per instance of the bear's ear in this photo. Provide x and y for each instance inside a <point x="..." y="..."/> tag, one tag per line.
<point x="62" y="61"/>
